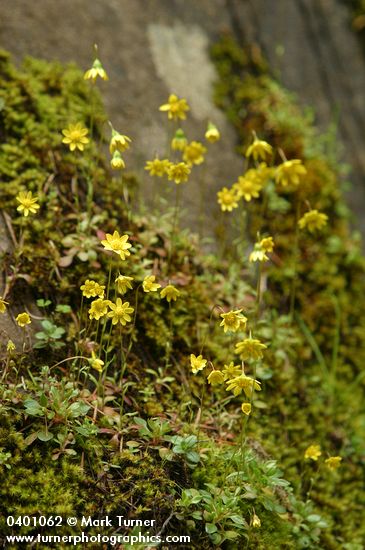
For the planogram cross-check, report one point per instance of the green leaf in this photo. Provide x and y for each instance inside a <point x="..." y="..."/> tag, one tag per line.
<point x="44" y="436"/>
<point x="210" y="528"/>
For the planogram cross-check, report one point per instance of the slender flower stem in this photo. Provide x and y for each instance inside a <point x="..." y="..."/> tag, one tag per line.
<point x="175" y="224"/>
<point x="296" y="254"/>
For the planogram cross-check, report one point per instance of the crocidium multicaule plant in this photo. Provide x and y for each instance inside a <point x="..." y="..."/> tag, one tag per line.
<point x="313" y="452"/>
<point x="23" y="319"/>
<point x="212" y="133"/>
<point x="179" y="141"/>
<point x="228" y="199"/>
<point x="120" y="312"/>
<point x="197" y="363"/>
<point x="158" y="167"/>
<point x="99" y="308"/>
<point x="290" y="172"/>
<point x="96" y="363"/>
<point x="10" y="346"/>
<point x="28" y="203"/>
<point x="3" y="305"/>
<point x="250" y="348"/>
<point x="75" y="136"/>
<point x="97" y="70"/>
<point x="176" y="108"/>
<point x="261" y="249"/>
<point x="124" y="283"/>
<point x="117" y="243"/>
<point x="243" y="383"/>
<point x="313" y="221"/>
<point x="91" y="289"/>
<point x="178" y="172"/>
<point x="194" y="153"/>
<point x="170" y="292"/>
<point x="117" y="162"/>
<point x="259" y="149"/>
<point x="248" y="186"/>
<point x="246" y="408"/>
<point x="231" y="371"/>
<point x="333" y="462"/>
<point x="149" y="284"/>
<point x="233" y="321"/>
<point x="216" y="377"/>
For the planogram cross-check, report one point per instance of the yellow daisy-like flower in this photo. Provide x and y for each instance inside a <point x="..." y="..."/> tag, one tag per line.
<point x="149" y="284"/>
<point x="246" y="408"/>
<point x="91" y="289"/>
<point x="259" y="149"/>
<point x="231" y="371"/>
<point x="10" y="346"/>
<point x="194" y="153"/>
<point x="248" y="186"/>
<point x="117" y="162"/>
<point x="250" y="348"/>
<point x="256" y="522"/>
<point x="333" y="462"/>
<point x="123" y="283"/>
<point x="3" y="305"/>
<point x="23" y="319"/>
<point x="233" y="321"/>
<point x="243" y="383"/>
<point x="118" y="142"/>
<point x="117" y="244"/>
<point x="170" y="293"/>
<point x="313" y="221"/>
<point x="197" y="363"/>
<point x="97" y="70"/>
<point x="178" y="172"/>
<point x="28" y="203"/>
<point x="212" y="134"/>
<point x="175" y="107"/>
<point x="96" y="363"/>
<point x="99" y="308"/>
<point x="216" y="377"/>
<point x="228" y="199"/>
<point x="313" y="452"/>
<point x="158" y="167"/>
<point x="75" y="136"/>
<point x="290" y="172"/>
<point x="179" y="141"/>
<point x="261" y="248"/>
<point x="120" y="312"/>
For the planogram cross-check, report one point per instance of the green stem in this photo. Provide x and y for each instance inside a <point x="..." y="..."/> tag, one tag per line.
<point x="296" y="254"/>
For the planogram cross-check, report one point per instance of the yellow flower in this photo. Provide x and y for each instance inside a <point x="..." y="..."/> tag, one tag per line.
<point x="123" y="283"/>
<point x="178" y="172"/>
<point x="333" y="462"/>
<point x="259" y="253"/>
<point x="313" y="221"/>
<point x="3" y="305"/>
<point x="194" y="153"/>
<point x="95" y="363"/>
<point x="97" y="70"/>
<point x="256" y="522"/>
<point x="216" y="377"/>
<point x="149" y="284"/>
<point x="117" y="244"/>
<point x="175" y="107"/>
<point x="250" y="348"/>
<point x="246" y="408"/>
<point x="243" y="382"/>
<point x="23" y="319"/>
<point x="290" y="172"/>
<point x="248" y="186"/>
<point x="118" y="142"/>
<point x="75" y="136"/>
<point x="117" y="162"/>
<point x="170" y="293"/>
<point x="259" y="149"/>
<point x="212" y="134"/>
<point x="120" y="312"/>
<point x="98" y="308"/>
<point x="231" y="371"/>
<point x="228" y="199"/>
<point x="10" y="347"/>
<point x="158" y="167"/>
<point x="313" y="452"/>
<point x="233" y="321"/>
<point x="91" y="289"/>
<point x="179" y="141"/>
<point x="197" y="363"/>
<point x="28" y="203"/>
